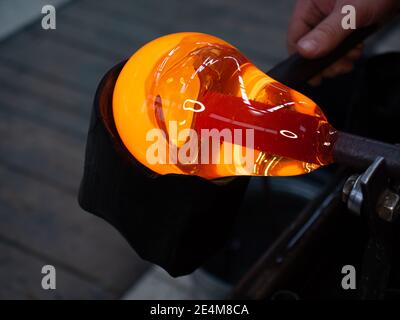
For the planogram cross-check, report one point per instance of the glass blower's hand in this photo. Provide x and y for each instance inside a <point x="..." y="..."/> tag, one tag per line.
<point x="316" y="28"/>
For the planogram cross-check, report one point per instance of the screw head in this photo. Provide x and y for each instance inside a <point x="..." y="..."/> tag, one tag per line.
<point x="389" y="205"/>
<point x="348" y="186"/>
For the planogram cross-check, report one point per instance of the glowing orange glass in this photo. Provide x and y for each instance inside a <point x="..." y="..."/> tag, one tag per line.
<point x="190" y="103"/>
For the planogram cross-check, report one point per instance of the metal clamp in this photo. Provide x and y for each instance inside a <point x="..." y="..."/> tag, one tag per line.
<point x="372" y="196"/>
<point x="386" y="201"/>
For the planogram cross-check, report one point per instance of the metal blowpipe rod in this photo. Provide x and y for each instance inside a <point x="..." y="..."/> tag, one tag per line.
<point x="359" y="152"/>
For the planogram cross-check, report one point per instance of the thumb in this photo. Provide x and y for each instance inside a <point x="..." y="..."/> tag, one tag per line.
<point x="323" y="38"/>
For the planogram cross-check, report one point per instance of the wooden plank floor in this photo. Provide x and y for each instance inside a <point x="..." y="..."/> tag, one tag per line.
<point x="47" y="81"/>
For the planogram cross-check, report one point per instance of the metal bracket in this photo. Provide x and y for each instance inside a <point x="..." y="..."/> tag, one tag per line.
<point x="371" y="196"/>
<point x="374" y="181"/>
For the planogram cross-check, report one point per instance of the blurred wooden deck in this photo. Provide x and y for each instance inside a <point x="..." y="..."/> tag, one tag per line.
<point x="47" y="82"/>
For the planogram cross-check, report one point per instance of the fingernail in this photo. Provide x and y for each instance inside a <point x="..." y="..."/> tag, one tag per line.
<point x="308" y="45"/>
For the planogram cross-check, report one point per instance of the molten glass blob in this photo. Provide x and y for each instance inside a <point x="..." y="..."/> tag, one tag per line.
<point x="190" y="103"/>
